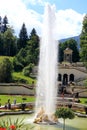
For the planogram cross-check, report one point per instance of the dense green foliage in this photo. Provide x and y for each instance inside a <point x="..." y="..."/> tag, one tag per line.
<point x="24" y="48"/>
<point x="23" y="37"/>
<point x="83" y="41"/>
<point x="72" y="44"/>
<point x="3" y="24"/>
<point x="33" y="47"/>
<point x="29" y="54"/>
<point x="6" y="69"/>
<point x="28" y="69"/>
<point x="8" y="40"/>
<point x="17" y="77"/>
<point x="8" y="43"/>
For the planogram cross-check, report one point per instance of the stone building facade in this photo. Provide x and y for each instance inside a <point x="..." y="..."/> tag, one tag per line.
<point x="68" y="71"/>
<point x="71" y="73"/>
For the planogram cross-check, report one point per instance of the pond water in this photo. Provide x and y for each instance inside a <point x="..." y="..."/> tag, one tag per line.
<point x="77" y="123"/>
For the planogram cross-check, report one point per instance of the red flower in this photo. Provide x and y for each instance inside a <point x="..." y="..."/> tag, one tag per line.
<point x="2" y="128"/>
<point x="13" y="127"/>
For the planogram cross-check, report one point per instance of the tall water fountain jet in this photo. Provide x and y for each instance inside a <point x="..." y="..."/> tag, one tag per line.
<point x="47" y="72"/>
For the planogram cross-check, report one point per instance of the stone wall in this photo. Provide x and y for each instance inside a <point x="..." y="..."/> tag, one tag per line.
<point x="78" y="70"/>
<point x="16" y="90"/>
<point x="77" y="73"/>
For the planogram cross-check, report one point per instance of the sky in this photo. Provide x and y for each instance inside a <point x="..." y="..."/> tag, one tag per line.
<point x="69" y="15"/>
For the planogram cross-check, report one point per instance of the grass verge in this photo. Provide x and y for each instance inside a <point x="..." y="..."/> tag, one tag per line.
<point x="19" y="99"/>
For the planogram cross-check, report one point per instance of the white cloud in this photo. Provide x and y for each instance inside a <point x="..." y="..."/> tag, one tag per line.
<point x="34" y="2"/>
<point x="17" y="13"/>
<point x="69" y="22"/>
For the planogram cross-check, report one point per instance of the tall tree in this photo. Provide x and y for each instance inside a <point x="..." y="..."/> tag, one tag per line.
<point x="29" y="54"/>
<point x="10" y="46"/>
<point x="1" y="44"/>
<point x="23" y="37"/>
<point x="33" y="33"/>
<point x="83" y="41"/>
<point x="0" y="24"/>
<point x="33" y="47"/>
<point x="5" y="22"/>
<point x="0" y="19"/>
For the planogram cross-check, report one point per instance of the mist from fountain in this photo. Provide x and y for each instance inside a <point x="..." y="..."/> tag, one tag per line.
<point x="47" y="71"/>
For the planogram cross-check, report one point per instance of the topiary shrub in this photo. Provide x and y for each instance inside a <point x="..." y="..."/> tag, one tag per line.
<point x="64" y="113"/>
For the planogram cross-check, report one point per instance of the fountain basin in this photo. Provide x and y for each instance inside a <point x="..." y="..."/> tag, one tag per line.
<point x="75" y="124"/>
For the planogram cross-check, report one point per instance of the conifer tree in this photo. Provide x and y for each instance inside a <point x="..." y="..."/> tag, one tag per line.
<point x="33" y="46"/>
<point x="5" y="22"/>
<point x="23" y="37"/>
<point x="0" y="24"/>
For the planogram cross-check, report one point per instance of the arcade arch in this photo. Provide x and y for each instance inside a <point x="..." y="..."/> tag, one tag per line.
<point x="65" y="78"/>
<point x="71" y="77"/>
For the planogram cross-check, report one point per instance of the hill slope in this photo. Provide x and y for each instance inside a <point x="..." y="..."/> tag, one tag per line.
<point x="76" y="38"/>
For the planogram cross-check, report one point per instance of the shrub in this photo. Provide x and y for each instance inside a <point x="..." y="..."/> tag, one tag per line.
<point x="17" y="65"/>
<point x="28" y="69"/>
<point x="20" y="80"/>
<point x="6" y="69"/>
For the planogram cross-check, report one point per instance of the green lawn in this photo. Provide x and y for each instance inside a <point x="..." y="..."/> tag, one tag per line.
<point x="20" y="76"/>
<point x="4" y="98"/>
<point x="83" y="100"/>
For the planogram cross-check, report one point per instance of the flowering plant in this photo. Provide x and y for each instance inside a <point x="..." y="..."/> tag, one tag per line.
<point x="9" y="125"/>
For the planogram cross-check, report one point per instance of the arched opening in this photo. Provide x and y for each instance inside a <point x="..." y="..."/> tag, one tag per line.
<point x="59" y="77"/>
<point x="71" y="77"/>
<point x="65" y="79"/>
